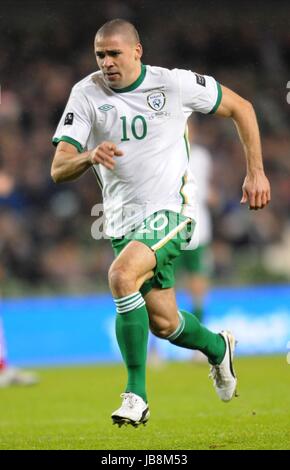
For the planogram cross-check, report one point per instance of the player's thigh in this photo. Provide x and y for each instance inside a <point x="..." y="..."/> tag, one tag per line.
<point x="137" y="259"/>
<point x="162" y="310"/>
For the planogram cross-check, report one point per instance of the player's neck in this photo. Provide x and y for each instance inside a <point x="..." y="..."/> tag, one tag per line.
<point x="135" y="80"/>
<point x="135" y="75"/>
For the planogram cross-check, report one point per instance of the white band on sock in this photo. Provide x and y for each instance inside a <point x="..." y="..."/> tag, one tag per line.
<point x="178" y="330"/>
<point x="129" y="302"/>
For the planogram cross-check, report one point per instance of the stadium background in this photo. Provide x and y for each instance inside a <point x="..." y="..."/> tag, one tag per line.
<point x="46" y="247"/>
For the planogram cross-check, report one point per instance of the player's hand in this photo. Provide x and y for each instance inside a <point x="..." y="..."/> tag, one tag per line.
<point x="256" y="190"/>
<point x="104" y="154"/>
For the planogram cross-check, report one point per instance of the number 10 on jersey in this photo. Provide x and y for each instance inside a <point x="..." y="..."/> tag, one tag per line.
<point x="138" y="128"/>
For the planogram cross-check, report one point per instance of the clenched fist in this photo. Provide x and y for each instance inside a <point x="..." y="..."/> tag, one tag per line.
<point x="256" y="191"/>
<point x="104" y="154"/>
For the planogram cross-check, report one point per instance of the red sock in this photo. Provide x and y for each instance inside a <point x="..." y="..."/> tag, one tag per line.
<point x="2" y="354"/>
<point x="2" y="348"/>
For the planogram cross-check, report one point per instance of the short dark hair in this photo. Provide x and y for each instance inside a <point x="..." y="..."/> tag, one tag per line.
<point x="119" y="26"/>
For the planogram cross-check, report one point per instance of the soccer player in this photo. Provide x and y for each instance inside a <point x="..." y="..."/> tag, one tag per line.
<point x="126" y="122"/>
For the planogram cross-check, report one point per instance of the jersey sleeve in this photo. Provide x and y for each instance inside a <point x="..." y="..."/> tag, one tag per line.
<point x="200" y="93"/>
<point x="76" y="122"/>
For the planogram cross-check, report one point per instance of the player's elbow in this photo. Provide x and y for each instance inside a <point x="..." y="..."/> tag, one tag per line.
<point x="55" y="174"/>
<point x="56" y="171"/>
<point x="242" y="110"/>
<point x="244" y="106"/>
<point x="248" y="106"/>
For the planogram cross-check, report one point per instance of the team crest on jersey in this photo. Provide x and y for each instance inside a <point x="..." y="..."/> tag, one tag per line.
<point x="156" y="100"/>
<point x="106" y="107"/>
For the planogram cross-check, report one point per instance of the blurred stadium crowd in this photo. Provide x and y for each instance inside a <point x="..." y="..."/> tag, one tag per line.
<point x="45" y="47"/>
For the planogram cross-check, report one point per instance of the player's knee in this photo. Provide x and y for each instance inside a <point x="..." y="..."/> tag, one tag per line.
<point x="121" y="281"/>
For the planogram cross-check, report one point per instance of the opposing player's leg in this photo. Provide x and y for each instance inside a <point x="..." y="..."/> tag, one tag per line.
<point x="184" y="329"/>
<point x="2" y="349"/>
<point x="133" y="266"/>
<point x="11" y="375"/>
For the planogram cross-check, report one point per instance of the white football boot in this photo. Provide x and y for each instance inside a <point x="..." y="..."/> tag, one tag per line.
<point x="12" y="376"/>
<point x="223" y="375"/>
<point x="133" y="411"/>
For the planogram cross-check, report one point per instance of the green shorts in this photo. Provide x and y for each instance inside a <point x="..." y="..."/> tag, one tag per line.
<point x="166" y="233"/>
<point x="198" y="261"/>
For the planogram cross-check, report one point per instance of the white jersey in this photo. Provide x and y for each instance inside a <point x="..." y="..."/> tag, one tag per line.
<point x="147" y="122"/>
<point x="200" y="164"/>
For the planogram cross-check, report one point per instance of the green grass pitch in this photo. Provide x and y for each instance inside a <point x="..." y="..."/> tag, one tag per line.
<point x="71" y="407"/>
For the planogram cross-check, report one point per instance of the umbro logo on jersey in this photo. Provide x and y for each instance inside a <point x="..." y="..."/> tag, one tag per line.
<point x="69" y="119"/>
<point x="156" y="100"/>
<point x="105" y="107"/>
<point x="200" y="80"/>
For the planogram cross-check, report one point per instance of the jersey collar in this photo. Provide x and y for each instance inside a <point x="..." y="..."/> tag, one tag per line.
<point x="133" y="85"/>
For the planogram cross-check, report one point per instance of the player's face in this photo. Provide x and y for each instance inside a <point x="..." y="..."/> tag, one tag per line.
<point x="118" y="59"/>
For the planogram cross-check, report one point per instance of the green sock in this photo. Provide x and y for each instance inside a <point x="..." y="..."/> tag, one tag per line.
<point x="191" y="334"/>
<point x="132" y="327"/>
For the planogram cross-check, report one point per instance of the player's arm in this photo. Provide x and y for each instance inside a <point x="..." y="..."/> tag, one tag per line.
<point x="68" y="164"/>
<point x="256" y="187"/>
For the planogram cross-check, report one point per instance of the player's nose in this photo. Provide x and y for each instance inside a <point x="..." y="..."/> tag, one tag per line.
<point x="107" y="62"/>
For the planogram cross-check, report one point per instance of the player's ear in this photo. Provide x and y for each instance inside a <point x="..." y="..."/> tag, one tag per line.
<point x="138" y="51"/>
